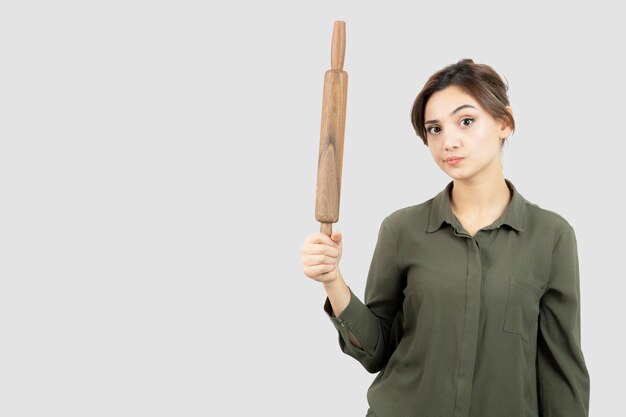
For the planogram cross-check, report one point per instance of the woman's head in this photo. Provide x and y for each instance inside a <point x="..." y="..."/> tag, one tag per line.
<point x="478" y="80"/>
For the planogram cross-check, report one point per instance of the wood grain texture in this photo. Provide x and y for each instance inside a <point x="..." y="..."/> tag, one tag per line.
<point x="330" y="160"/>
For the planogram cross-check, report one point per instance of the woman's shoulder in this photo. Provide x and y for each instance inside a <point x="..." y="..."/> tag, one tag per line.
<point x="541" y="218"/>
<point x="536" y="218"/>
<point x="410" y="214"/>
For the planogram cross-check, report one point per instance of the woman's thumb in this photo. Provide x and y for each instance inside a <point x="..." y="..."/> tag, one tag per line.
<point x="336" y="236"/>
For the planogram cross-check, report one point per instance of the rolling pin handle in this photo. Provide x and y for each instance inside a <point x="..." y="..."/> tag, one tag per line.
<point x="326" y="228"/>
<point x="338" y="47"/>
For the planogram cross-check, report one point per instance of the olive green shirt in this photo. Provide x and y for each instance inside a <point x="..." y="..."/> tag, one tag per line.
<point x="470" y="326"/>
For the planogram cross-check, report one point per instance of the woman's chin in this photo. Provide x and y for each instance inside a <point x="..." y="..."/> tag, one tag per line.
<point x="456" y="174"/>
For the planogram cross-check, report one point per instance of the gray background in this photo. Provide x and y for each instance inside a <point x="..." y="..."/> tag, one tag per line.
<point x="157" y="179"/>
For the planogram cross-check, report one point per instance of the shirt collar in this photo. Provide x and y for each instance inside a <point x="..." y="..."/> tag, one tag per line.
<point x="441" y="211"/>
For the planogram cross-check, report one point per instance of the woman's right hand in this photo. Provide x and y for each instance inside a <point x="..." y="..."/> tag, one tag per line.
<point x="320" y="255"/>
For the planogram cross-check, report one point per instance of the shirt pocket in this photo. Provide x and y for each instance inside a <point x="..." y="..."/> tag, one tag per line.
<point x="522" y="307"/>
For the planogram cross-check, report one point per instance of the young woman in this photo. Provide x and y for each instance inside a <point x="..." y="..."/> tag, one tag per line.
<point x="472" y="300"/>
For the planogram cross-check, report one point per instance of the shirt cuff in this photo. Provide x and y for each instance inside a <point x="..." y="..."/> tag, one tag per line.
<point x="350" y="316"/>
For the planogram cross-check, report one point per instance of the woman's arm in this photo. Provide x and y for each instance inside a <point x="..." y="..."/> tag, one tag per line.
<point x="339" y="296"/>
<point x="365" y="326"/>
<point x="563" y="379"/>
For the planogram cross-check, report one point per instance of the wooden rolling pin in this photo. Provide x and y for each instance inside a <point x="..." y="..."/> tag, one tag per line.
<point x="330" y="159"/>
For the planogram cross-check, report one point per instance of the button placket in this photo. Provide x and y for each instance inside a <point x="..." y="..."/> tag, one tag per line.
<point x="470" y="329"/>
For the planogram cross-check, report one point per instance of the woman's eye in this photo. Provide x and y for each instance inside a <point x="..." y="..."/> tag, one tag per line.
<point x="429" y="129"/>
<point x="467" y="118"/>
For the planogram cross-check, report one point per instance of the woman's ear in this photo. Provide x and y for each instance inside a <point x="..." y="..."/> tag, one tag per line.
<point x="505" y="127"/>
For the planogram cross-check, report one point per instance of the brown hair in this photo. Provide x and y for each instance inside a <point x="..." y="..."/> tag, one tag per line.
<point x="478" y="80"/>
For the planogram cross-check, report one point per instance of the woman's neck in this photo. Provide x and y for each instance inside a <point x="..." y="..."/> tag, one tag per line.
<point x="484" y="198"/>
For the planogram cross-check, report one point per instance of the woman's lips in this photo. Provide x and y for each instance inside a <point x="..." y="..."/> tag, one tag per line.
<point x="453" y="160"/>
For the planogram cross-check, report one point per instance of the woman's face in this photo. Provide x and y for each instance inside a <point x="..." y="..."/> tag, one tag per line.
<point x="463" y="138"/>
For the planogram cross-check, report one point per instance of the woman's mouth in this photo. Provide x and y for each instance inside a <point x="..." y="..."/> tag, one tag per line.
<point x="453" y="160"/>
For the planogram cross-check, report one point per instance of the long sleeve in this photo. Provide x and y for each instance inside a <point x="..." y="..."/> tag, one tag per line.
<point x="375" y="322"/>
<point x="562" y="376"/>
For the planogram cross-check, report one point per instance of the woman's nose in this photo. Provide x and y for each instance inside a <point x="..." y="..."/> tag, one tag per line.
<point x="451" y="141"/>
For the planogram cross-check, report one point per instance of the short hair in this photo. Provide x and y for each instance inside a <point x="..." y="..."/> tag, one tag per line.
<point x="478" y="80"/>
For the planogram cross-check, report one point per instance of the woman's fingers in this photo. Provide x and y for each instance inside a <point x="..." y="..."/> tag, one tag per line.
<point x="320" y="238"/>
<point x="317" y="270"/>
<point x="312" y="259"/>
<point x="320" y="255"/>
<point x="320" y="249"/>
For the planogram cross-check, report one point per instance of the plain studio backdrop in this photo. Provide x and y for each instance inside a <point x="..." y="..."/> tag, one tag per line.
<point x="158" y="165"/>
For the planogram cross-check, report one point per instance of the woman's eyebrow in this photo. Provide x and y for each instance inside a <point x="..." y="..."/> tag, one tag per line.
<point x="452" y="114"/>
